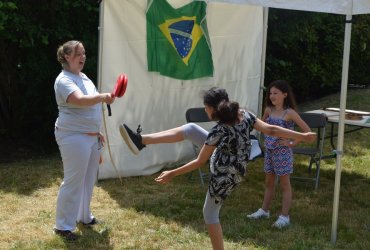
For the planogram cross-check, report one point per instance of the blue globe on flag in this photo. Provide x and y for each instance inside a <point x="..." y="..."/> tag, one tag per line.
<point x="181" y="36"/>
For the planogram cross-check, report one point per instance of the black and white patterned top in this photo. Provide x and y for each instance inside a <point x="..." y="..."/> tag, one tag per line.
<point x="228" y="163"/>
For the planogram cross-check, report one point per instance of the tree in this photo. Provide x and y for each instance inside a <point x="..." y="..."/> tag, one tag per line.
<point x="30" y="34"/>
<point x="306" y="49"/>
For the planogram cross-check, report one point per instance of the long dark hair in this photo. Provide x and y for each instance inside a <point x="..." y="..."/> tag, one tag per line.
<point x="224" y="111"/>
<point x="283" y="86"/>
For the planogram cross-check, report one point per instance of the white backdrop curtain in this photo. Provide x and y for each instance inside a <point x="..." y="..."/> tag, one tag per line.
<point x="158" y="102"/>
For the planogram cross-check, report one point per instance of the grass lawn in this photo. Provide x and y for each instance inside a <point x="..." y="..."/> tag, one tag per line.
<point x="140" y="214"/>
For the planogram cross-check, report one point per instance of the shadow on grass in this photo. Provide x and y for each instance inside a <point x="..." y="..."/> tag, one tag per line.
<point x="94" y="239"/>
<point x="89" y="238"/>
<point x="182" y="201"/>
<point x="26" y="176"/>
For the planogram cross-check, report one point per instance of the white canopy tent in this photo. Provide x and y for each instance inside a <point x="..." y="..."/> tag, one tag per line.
<point x="159" y="103"/>
<point x="343" y="7"/>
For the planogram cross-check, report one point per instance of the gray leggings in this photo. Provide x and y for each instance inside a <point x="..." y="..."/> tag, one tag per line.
<point x="198" y="135"/>
<point x="195" y="133"/>
<point x="211" y="210"/>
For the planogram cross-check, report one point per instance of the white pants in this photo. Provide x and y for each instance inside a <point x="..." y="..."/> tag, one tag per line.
<point x="80" y="155"/>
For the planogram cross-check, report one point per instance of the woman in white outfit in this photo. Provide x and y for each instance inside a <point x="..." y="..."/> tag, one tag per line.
<point x="77" y="135"/>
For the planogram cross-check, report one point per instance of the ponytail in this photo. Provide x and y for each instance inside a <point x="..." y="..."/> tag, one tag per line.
<point x="227" y="112"/>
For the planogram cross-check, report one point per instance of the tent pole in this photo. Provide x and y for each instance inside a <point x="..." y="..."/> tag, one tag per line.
<point x="100" y="66"/>
<point x="343" y="99"/>
<point x="100" y="41"/>
<point x="263" y="60"/>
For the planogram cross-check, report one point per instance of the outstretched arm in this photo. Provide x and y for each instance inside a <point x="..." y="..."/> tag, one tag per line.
<point x="204" y="154"/>
<point x="78" y="98"/>
<point x="277" y="131"/>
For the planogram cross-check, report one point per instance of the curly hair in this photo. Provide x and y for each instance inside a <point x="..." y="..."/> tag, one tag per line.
<point x="66" y="49"/>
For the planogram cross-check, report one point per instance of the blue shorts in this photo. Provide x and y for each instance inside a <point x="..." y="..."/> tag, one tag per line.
<point x="279" y="161"/>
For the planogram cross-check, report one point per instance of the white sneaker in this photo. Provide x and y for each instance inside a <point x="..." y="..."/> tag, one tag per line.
<point x="259" y="214"/>
<point x="281" y="222"/>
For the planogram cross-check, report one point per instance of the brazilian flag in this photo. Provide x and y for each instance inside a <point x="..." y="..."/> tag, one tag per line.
<point x="178" y="45"/>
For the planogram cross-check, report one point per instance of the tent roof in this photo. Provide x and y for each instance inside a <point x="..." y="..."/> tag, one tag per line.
<point x="345" y="7"/>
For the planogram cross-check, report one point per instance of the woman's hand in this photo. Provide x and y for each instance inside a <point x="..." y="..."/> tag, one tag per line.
<point x="165" y="177"/>
<point x="101" y="139"/>
<point x="108" y="98"/>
